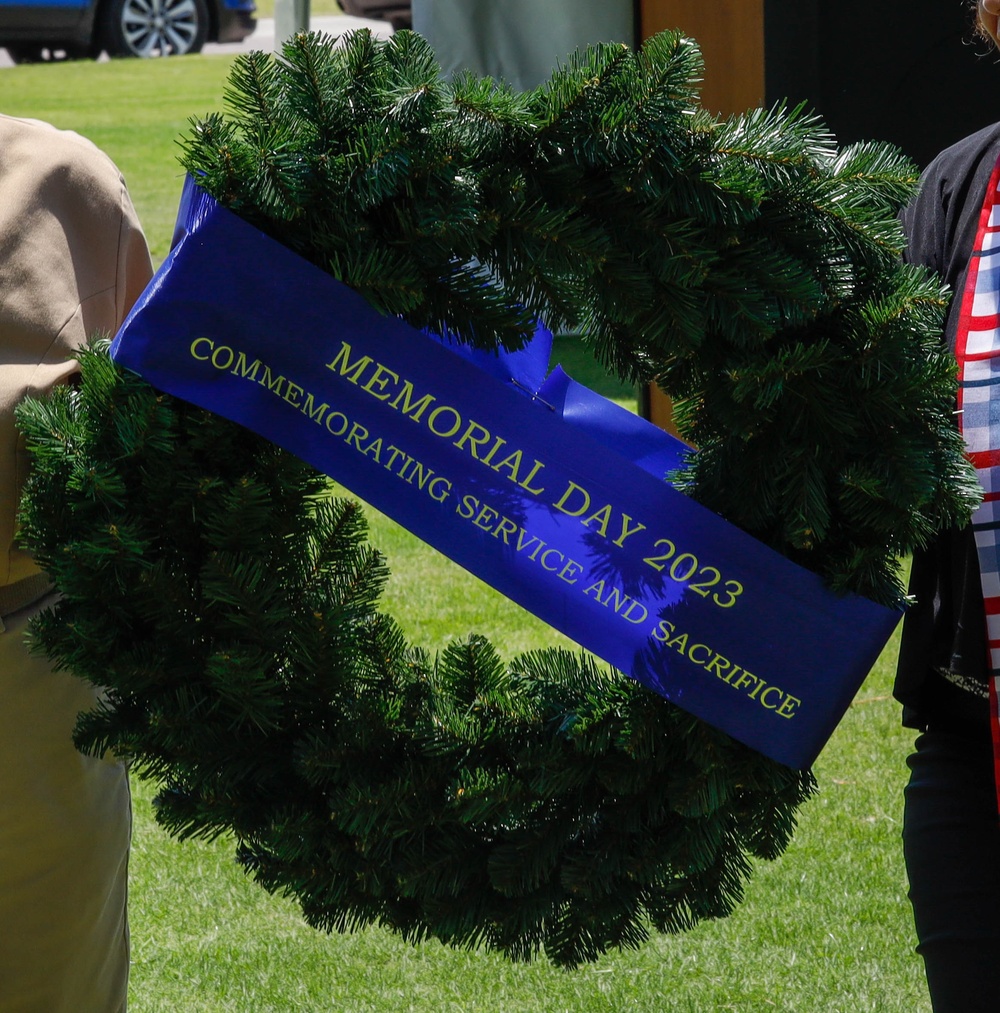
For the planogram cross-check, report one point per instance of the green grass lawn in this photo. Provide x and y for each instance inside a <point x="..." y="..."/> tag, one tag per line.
<point x="825" y="928"/>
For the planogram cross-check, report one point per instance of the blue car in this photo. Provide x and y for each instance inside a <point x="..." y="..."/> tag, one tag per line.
<point x="34" y="30"/>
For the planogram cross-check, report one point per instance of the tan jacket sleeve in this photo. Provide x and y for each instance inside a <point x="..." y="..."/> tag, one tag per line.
<point x="73" y="259"/>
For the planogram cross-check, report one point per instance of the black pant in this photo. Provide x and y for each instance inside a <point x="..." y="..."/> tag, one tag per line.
<point x="951" y="841"/>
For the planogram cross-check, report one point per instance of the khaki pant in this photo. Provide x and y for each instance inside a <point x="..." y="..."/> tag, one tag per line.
<point x="65" y="821"/>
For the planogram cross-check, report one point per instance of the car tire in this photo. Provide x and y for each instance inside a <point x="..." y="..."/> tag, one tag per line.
<point x="153" y="27"/>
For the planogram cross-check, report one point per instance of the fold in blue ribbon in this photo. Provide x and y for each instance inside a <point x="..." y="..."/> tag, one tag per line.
<point x="555" y="496"/>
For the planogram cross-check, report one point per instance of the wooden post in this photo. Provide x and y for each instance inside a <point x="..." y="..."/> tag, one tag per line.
<point x="731" y="36"/>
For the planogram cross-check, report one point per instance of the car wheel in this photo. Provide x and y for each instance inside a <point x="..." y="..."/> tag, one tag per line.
<point x="154" y="27"/>
<point x="48" y="54"/>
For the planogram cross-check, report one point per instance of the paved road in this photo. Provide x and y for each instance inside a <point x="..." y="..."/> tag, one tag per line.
<point x="263" y="35"/>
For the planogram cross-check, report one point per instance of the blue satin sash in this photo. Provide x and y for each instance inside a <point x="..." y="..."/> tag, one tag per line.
<point x="555" y="496"/>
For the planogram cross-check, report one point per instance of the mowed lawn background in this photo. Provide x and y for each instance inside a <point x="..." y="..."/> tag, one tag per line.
<point x="825" y="928"/>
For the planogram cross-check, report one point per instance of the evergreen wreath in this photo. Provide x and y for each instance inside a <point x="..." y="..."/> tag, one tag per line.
<point x="229" y="603"/>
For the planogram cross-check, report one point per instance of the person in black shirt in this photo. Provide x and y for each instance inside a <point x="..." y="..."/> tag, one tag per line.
<point x="951" y="827"/>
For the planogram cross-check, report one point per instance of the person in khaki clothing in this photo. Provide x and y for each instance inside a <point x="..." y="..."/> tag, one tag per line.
<point x="72" y="261"/>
